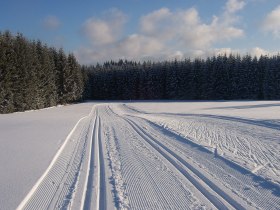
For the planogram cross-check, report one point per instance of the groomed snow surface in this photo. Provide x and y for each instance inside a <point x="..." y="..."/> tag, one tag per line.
<point x="142" y="155"/>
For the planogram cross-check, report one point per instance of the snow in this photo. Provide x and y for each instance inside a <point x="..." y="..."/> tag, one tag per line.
<point x="247" y="133"/>
<point x="142" y="155"/>
<point x="28" y="143"/>
<point x="258" y="110"/>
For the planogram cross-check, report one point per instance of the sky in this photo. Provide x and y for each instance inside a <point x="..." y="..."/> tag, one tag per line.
<point x="98" y="31"/>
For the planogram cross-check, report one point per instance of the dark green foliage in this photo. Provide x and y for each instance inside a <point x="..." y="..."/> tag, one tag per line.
<point x="34" y="76"/>
<point x="216" y="78"/>
<point x="73" y="80"/>
<point x="8" y="72"/>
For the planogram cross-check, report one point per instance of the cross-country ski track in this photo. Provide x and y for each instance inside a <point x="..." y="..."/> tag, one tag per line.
<point x="118" y="157"/>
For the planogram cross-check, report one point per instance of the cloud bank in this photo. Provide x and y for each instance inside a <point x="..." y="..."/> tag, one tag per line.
<point x="162" y="34"/>
<point x="271" y="23"/>
<point x="105" y="31"/>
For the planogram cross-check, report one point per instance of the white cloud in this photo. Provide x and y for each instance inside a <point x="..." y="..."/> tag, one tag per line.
<point x="137" y="45"/>
<point x="106" y="30"/>
<point x="211" y="52"/>
<point x="229" y="16"/>
<point x="271" y="22"/>
<point x="233" y="6"/>
<point x="51" y="22"/>
<point x="149" y="23"/>
<point x="185" y="27"/>
<point x="87" y="56"/>
<point x="132" y="47"/>
<point x="205" y="35"/>
<point x="157" y="24"/>
<point x="257" y="51"/>
<point x="162" y="34"/>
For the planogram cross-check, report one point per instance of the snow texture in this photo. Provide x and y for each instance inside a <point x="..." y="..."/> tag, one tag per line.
<point x="142" y="155"/>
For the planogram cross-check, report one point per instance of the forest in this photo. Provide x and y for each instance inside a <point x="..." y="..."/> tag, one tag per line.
<point x="35" y="76"/>
<point x="221" y="77"/>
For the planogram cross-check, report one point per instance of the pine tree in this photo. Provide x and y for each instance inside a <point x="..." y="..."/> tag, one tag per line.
<point x="7" y="71"/>
<point x="61" y="69"/>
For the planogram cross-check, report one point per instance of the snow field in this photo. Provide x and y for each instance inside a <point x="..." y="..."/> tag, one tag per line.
<point x="133" y="156"/>
<point x="28" y="143"/>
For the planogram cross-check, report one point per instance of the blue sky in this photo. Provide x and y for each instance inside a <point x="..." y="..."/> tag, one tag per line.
<point x="147" y="29"/>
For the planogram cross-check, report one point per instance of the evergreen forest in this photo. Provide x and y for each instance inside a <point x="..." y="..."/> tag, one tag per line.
<point x="35" y="76"/>
<point x="220" y="77"/>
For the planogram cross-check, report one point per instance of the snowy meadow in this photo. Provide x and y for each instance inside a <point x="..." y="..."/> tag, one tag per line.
<point x="207" y="154"/>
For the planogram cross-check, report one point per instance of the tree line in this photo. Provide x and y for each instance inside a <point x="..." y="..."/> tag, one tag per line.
<point x="222" y="77"/>
<point x="34" y="76"/>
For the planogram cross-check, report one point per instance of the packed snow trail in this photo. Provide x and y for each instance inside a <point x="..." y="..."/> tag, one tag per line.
<point x="254" y="144"/>
<point x="236" y="183"/>
<point x="56" y="187"/>
<point x="117" y="158"/>
<point x="144" y="179"/>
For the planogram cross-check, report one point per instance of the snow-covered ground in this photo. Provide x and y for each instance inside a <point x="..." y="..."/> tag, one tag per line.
<point x="28" y="143"/>
<point x="142" y="155"/>
<point x="247" y="133"/>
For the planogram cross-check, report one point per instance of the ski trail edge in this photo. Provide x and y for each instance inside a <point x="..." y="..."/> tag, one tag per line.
<point x="34" y="188"/>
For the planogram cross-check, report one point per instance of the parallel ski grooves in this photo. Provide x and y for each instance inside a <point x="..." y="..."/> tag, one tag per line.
<point x="147" y="184"/>
<point x="102" y="178"/>
<point x="93" y="183"/>
<point x="55" y="188"/>
<point x="167" y="154"/>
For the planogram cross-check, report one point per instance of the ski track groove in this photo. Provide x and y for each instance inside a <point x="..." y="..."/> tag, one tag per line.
<point x="177" y="207"/>
<point x="212" y="198"/>
<point x="54" y="189"/>
<point x="158" y="197"/>
<point x="249" y="191"/>
<point x="95" y="194"/>
<point x="247" y="147"/>
<point x="235" y="179"/>
<point x="102" y="177"/>
<point x="87" y="194"/>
